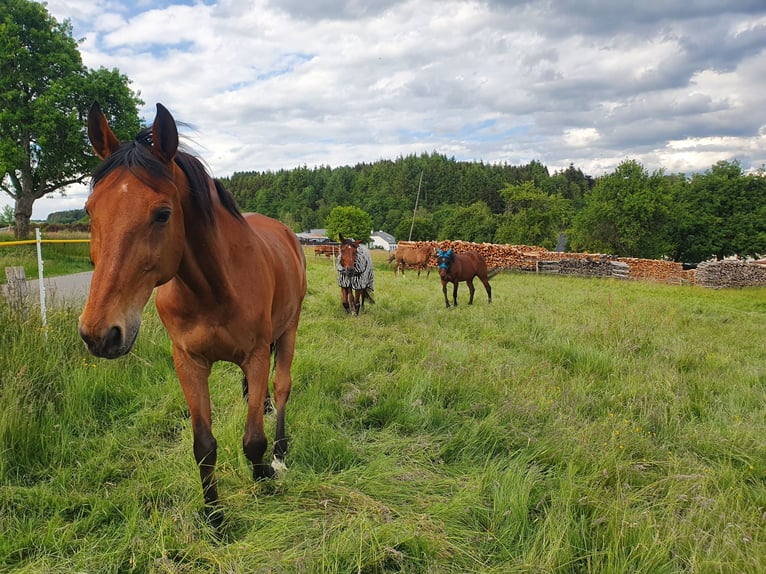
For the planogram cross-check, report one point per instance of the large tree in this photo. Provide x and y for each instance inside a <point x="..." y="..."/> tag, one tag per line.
<point x="628" y="213"/>
<point x="722" y="213"/>
<point x="532" y="217"/>
<point x="349" y="221"/>
<point x="45" y="92"/>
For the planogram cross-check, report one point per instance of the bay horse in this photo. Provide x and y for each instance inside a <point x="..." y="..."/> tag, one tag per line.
<point x="412" y="255"/>
<point x="457" y="267"/>
<point x="356" y="276"/>
<point x="229" y="287"/>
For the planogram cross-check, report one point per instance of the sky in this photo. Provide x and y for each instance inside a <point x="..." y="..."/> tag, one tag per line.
<point x="270" y="84"/>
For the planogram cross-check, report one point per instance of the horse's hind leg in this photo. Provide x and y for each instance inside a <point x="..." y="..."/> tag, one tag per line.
<point x="254" y="441"/>
<point x="267" y="408"/>
<point x="282" y="385"/>
<point x="488" y="287"/>
<point x="471" y="290"/>
<point x="358" y="301"/>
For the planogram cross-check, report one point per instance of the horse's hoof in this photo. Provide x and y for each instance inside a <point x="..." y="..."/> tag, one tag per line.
<point x="213" y="516"/>
<point x="262" y="472"/>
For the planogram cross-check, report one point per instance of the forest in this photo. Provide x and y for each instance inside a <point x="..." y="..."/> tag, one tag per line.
<point x="629" y="212"/>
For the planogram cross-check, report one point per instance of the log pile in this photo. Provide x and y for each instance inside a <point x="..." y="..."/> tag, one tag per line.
<point x="730" y="273"/>
<point x="540" y="260"/>
<point x="658" y="270"/>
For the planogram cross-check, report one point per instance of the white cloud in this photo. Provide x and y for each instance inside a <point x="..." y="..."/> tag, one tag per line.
<point x="271" y="85"/>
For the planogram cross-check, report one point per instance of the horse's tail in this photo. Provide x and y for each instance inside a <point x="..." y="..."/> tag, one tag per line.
<point x="368" y="294"/>
<point x="492" y="272"/>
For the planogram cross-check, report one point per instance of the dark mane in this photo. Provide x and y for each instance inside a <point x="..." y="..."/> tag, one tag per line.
<point x="136" y="156"/>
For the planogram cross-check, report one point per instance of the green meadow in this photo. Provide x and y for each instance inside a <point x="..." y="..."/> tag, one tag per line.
<point x="573" y="425"/>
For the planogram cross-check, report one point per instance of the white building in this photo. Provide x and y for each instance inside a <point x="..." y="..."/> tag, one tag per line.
<point x="382" y="240"/>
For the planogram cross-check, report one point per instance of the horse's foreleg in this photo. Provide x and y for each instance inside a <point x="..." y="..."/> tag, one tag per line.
<point x="471" y="290"/>
<point x="282" y="385"/>
<point x="454" y="292"/>
<point x="254" y="441"/>
<point x="444" y="290"/>
<point x="193" y="376"/>
<point x="345" y="299"/>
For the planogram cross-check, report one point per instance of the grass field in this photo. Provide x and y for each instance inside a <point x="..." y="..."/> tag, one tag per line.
<point x="573" y="425"/>
<point x="58" y="258"/>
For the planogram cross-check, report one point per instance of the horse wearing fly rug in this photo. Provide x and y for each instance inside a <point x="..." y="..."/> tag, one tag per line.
<point x="229" y="287"/>
<point x="457" y="267"/>
<point x="356" y="276"/>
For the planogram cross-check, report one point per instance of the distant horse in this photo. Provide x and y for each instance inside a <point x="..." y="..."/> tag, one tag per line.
<point x="356" y="276"/>
<point x="457" y="267"/>
<point x="411" y="255"/>
<point x="229" y="287"/>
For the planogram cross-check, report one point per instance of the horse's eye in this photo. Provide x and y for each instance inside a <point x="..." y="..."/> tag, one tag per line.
<point x="162" y="215"/>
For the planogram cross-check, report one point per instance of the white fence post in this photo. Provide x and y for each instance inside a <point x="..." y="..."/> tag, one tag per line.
<point x="40" y="282"/>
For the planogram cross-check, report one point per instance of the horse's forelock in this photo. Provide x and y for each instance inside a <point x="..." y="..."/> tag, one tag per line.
<point x="138" y="158"/>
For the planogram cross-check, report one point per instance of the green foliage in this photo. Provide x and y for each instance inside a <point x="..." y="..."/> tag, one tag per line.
<point x="632" y="212"/>
<point x="422" y="228"/>
<point x="474" y="223"/>
<point x="627" y="213"/>
<point x="349" y="221"/>
<point x="532" y="217"/>
<point x="64" y="217"/>
<point x="6" y="216"/>
<point x="46" y="92"/>
<point x="722" y="212"/>
<point x="567" y="427"/>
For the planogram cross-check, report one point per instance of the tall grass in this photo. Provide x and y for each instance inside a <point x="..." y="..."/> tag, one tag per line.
<point x="573" y="425"/>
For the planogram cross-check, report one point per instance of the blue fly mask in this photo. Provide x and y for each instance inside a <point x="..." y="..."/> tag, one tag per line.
<point x="444" y="258"/>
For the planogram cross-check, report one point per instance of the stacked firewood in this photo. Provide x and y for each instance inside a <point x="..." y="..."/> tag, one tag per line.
<point x="539" y="259"/>
<point x="657" y="270"/>
<point x="730" y="273"/>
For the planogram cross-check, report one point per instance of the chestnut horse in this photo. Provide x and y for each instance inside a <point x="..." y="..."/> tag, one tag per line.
<point x="229" y="287"/>
<point x="457" y="267"/>
<point x="356" y="276"/>
<point x="411" y="255"/>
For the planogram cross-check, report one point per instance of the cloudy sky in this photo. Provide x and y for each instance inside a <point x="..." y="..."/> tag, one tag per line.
<point x="271" y="84"/>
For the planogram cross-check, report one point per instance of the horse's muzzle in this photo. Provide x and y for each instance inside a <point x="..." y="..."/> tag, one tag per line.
<point x="115" y="343"/>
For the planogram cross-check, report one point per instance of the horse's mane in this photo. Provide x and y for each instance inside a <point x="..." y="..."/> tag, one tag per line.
<point x="137" y="157"/>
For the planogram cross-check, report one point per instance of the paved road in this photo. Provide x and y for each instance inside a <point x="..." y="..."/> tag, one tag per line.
<point x="64" y="289"/>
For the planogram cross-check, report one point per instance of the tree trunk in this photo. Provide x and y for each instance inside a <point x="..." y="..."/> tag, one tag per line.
<point x="23" y="215"/>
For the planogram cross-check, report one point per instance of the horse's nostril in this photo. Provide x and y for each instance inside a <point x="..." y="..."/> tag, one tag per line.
<point x="113" y="339"/>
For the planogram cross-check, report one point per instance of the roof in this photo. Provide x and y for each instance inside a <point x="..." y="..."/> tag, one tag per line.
<point x="387" y="237"/>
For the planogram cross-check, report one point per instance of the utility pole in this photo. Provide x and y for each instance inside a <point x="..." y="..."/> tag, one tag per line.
<point x="414" y="211"/>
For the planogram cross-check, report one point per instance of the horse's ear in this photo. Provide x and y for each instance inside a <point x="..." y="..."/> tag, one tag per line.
<point x="341" y="238"/>
<point x="439" y="252"/>
<point x="358" y="242"/>
<point x="101" y="136"/>
<point x="449" y="253"/>
<point x="164" y="135"/>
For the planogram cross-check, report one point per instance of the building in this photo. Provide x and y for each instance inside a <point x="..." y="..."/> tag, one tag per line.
<point x="382" y="240"/>
<point x="313" y="237"/>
